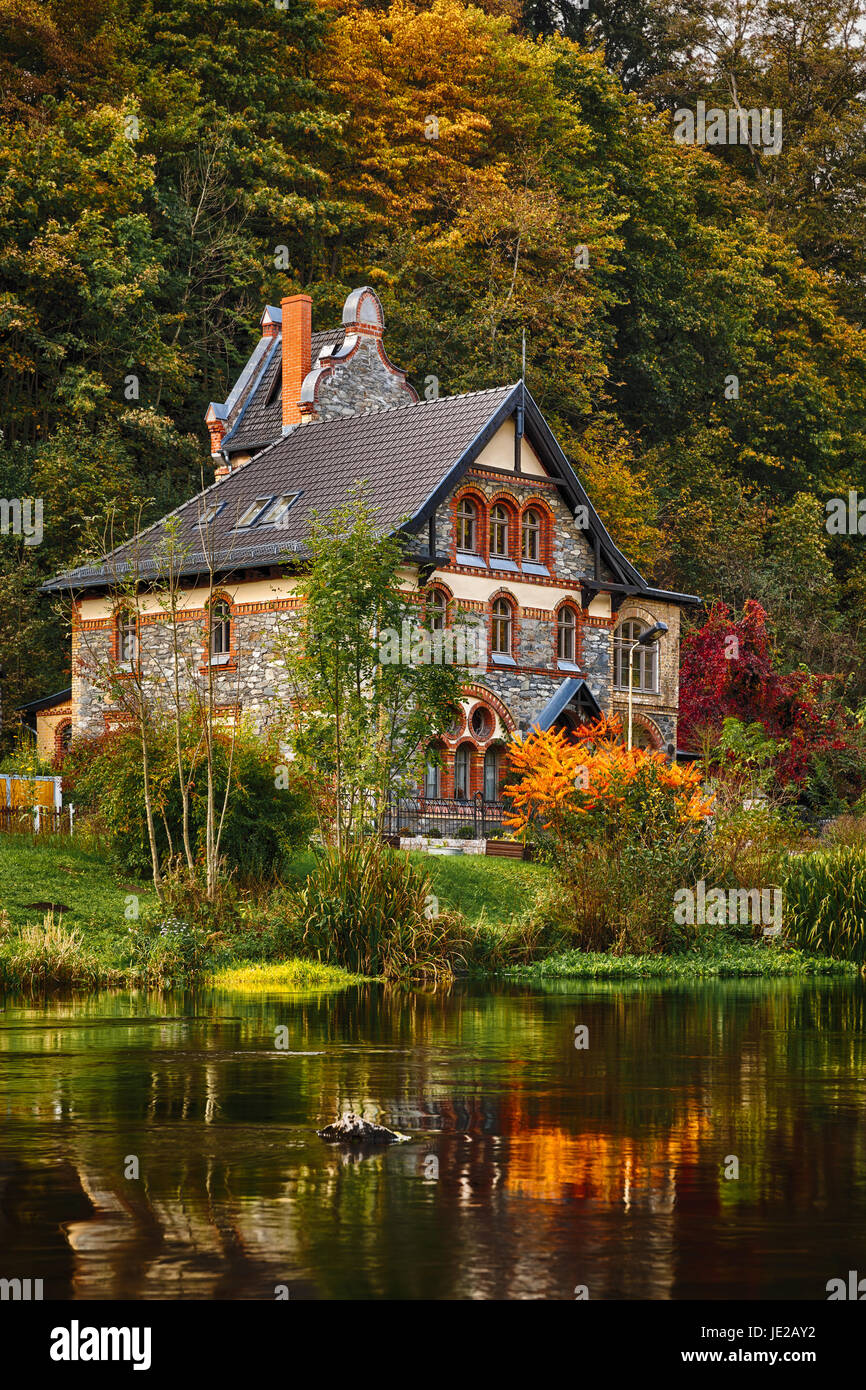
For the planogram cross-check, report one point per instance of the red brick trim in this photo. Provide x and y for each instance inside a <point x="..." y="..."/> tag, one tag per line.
<point x="483" y="534"/>
<point x="516" y="618"/>
<point x="447" y="594"/>
<point x="513" y="479"/>
<point x="480" y="692"/>
<point x="576" y="610"/>
<point x="647" y="724"/>
<point x="59" y="729"/>
<point x="122" y="672"/>
<point x="219" y="596"/>
<point x="113" y="719"/>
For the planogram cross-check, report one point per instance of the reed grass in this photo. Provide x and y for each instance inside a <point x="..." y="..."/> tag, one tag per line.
<point x="824" y="902"/>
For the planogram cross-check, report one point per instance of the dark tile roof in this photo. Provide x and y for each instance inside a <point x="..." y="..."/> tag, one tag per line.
<point x="258" y="418"/>
<point x="561" y="698"/>
<point x="403" y="455"/>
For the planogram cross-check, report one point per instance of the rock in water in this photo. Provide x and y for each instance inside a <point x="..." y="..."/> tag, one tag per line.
<point x="352" y="1129"/>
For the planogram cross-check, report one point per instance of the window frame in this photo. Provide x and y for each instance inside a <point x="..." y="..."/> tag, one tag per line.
<point x="250" y="516"/>
<point x="569" y="629"/>
<point x="644" y="659"/>
<point x="277" y="509"/>
<point x="500" y="519"/>
<point x="126" y="622"/>
<point x="226" y="623"/>
<point x="463" y="754"/>
<point x="466" y="504"/>
<point x="497" y="619"/>
<point x="537" y="530"/>
<point x="436" y="607"/>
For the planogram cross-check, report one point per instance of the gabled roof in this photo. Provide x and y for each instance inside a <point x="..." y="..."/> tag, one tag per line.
<point x="410" y="459"/>
<point x="254" y="409"/>
<point x="400" y="454"/>
<point x="561" y="699"/>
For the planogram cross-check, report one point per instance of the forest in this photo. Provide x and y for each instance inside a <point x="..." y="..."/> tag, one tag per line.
<point x="693" y="313"/>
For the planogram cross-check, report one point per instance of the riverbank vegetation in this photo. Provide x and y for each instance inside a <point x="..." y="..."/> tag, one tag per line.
<point x="506" y="916"/>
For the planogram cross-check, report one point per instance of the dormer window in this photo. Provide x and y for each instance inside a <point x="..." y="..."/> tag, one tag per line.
<point x="467" y="525"/>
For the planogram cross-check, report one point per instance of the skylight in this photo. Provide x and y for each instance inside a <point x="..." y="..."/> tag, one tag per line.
<point x="253" y="512"/>
<point x="276" y="512"/>
<point x="210" y="513"/>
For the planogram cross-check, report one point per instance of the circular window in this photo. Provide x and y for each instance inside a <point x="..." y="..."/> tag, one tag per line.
<point x="455" y="723"/>
<point x="481" y="722"/>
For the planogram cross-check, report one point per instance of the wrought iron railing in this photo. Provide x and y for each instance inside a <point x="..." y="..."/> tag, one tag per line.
<point x="446" y="816"/>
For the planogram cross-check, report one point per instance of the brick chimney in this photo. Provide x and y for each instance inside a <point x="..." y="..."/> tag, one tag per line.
<point x="297" y="328"/>
<point x="215" y="419"/>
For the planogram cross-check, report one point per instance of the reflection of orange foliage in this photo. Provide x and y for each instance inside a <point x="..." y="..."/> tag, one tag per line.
<point x="551" y="1164"/>
<point x="576" y="772"/>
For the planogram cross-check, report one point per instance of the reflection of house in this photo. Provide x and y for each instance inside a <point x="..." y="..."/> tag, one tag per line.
<point x="50" y="720"/>
<point x="495" y="519"/>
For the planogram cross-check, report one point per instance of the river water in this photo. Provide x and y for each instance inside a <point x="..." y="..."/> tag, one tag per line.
<point x="708" y="1142"/>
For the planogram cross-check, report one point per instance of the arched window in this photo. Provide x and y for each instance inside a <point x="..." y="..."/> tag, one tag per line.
<point x="530" y="538"/>
<point x="127" y="637"/>
<point x="467" y="525"/>
<point x="492" y="773"/>
<point x="63" y="738"/>
<point x="499" y="520"/>
<point x="501" y="627"/>
<point x="432" y="775"/>
<point x="220" y="631"/>
<point x="566" y="628"/>
<point x="437" y="609"/>
<point x="644" y="661"/>
<point x="461" y="772"/>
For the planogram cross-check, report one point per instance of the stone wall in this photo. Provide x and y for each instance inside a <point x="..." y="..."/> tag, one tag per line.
<point x="254" y="682"/>
<point x="364" y="381"/>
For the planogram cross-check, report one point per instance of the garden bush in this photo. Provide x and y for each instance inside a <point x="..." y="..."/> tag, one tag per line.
<point x="167" y="951"/>
<point x="263" y="822"/>
<point x="622" y="830"/>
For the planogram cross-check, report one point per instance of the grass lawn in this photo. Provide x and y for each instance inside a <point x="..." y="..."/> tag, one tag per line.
<point x="498" y="888"/>
<point x="38" y="876"/>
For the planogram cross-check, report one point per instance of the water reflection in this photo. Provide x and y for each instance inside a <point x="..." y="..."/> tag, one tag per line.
<point x="534" y="1166"/>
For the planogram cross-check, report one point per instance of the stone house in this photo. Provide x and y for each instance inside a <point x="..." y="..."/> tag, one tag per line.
<point x="496" y="523"/>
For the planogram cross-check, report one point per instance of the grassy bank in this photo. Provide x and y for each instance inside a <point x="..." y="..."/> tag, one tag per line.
<point x="734" y="961"/>
<point x="63" y="921"/>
